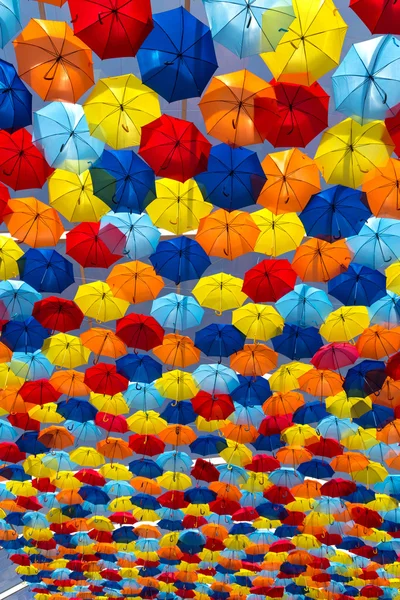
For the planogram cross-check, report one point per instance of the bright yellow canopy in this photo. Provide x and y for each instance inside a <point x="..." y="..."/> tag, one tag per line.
<point x="64" y="350"/>
<point x="345" y="323"/>
<point x="258" y="321"/>
<point x="97" y="301"/>
<point x="279" y="233"/>
<point x="219" y="292"/>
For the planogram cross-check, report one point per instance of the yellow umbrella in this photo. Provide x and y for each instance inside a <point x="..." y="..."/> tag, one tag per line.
<point x="236" y="454"/>
<point x="178" y="207"/>
<point x="258" y="321"/>
<point x="10" y="252"/>
<point x="87" y="457"/>
<point x="146" y="422"/>
<point x="21" y="488"/>
<point x="174" y="481"/>
<point x="286" y="377"/>
<point x="115" y="472"/>
<point x="118" y="107"/>
<point x="8" y="379"/>
<point x="348" y="150"/>
<point x="113" y="405"/>
<point x="96" y="300"/>
<point x="371" y="474"/>
<point x="279" y="233"/>
<point x="300" y="435"/>
<point x="344" y="407"/>
<point x="66" y="480"/>
<point x="345" y="323"/>
<point x="64" y="350"/>
<point x="393" y="277"/>
<point x="46" y="413"/>
<point x="177" y="385"/>
<point x="312" y="44"/>
<point x="72" y="196"/>
<point x="219" y="292"/>
<point x="33" y="466"/>
<point x="361" y="440"/>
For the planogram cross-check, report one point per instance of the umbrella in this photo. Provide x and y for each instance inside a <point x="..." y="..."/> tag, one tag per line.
<point x="33" y="223"/>
<point x="118" y="107"/>
<point x="103" y="342"/>
<point x="377" y="243"/>
<point x="141" y="237"/>
<point x="378" y="15"/>
<point x="97" y="301"/>
<point x="219" y="340"/>
<point x="297" y="342"/>
<point x="381" y="187"/>
<point x="71" y="194"/>
<point x="95" y="245"/>
<point x="18" y="298"/>
<point x="174" y="148"/>
<point x="365" y="378"/>
<point x="22" y="164"/>
<point x="16" y="100"/>
<point x="139" y="331"/>
<point x="269" y="280"/>
<point x="335" y="356"/>
<point x="377" y="342"/>
<point x="58" y="314"/>
<point x="111" y="29"/>
<point x="233" y="179"/>
<point x="278" y="233"/>
<point x="46" y="270"/>
<point x="31" y="365"/>
<point x="258" y="321"/>
<point x="61" y="132"/>
<point x="24" y="336"/>
<point x="317" y="260"/>
<point x="135" y="282"/>
<point x="227" y="234"/>
<point x="348" y="150"/>
<point x="177" y="59"/>
<point x="139" y="367"/>
<point x="177" y="312"/>
<point x="177" y="350"/>
<point x="66" y="351"/>
<point x="178" y="207"/>
<point x="253" y="360"/>
<point x="104" y="379"/>
<point x="232" y="109"/>
<point x="335" y="213"/>
<point x="312" y="45"/>
<point x="248" y="28"/>
<point x="345" y="323"/>
<point x="180" y="259"/>
<point x="10" y="22"/>
<point x="359" y="285"/>
<point x="216" y="379"/>
<point x="306" y="306"/>
<point x="53" y="62"/>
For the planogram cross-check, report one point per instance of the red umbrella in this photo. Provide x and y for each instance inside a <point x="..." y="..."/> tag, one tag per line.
<point x="393" y="367"/>
<point x="38" y="392"/>
<point x="279" y="494"/>
<point x="301" y="114"/>
<point x="58" y="314"/>
<point x="4" y="198"/>
<point x="104" y="379"/>
<point x="272" y="425"/>
<point x="262" y="463"/>
<point x="393" y="127"/>
<point x="174" y="148"/>
<point x="22" y="165"/>
<point x="94" y="246"/>
<point x="24" y="421"/>
<point x="269" y="280"/>
<point x="213" y="406"/>
<point x="43" y="484"/>
<point x="338" y="487"/>
<point x="173" y="499"/>
<point x="366" y="517"/>
<point x="205" y="471"/>
<point x="335" y="356"/>
<point x="224" y="507"/>
<point x="149" y="445"/>
<point x="110" y="423"/>
<point x="139" y="331"/>
<point x="10" y="452"/>
<point x="123" y="518"/>
<point x="112" y="28"/>
<point x="245" y="514"/>
<point x="90" y="477"/>
<point x="380" y="16"/>
<point x="325" y="447"/>
<point x="371" y="591"/>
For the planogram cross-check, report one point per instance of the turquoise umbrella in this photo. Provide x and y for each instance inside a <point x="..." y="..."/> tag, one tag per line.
<point x="31" y="366"/>
<point x="386" y="310"/>
<point x="216" y="379"/>
<point x="140" y="234"/>
<point x="305" y="306"/>
<point x="10" y="20"/>
<point x="143" y="396"/>
<point x="18" y="298"/>
<point x="377" y="244"/>
<point x="177" y="312"/>
<point x="335" y="428"/>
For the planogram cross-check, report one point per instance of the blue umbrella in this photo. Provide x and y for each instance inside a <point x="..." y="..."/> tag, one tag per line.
<point x="179" y="412"/>
<point x="46" y="270"/>
<point x="87" y="433"/>
<point x="386" y="311"/>
<point x="177" y="59"/>
<point x="7" y="431"/>
<point x="180" y="259"/>
<point x="335" y="428"/>
<point x="15" y="99"/>
<point x="216" y="379"/>
<point x="234" y="177"/>
<point x="334" y="213"/>
<point x="366" y="83"/>
<point x="18" y="298"/>
<point x="365" y="378"/>
<point x="376" y="418"/>
<point x="175" y="461"/>
<point x="61" y="131"/>
<point x="316" y="468"/>
<point x="28" y="442"/>
<point x="251" y="391"/>
<point x="175" y="311"/>
<point x="139" y="367"/>
<point x="312" y="412"/>
<point x="77" y="409"/>
<point x="305" y="306"/>
<point x="123" y="181"/>
<point x="240" y="25"/>
<point x="143" y="396"/>
<point x="31" y="365"/>
<point x="24" y="336"/>
<point x="94" y="495"/>
<point x="219" y="340"/>
<point x="359" y="285"/>
<point x="10" y="20"/>
<point x="208" y="445"/>
<point x="145" y="467"/>
<point x="377" y="244"/>
<point x="141" y="236"/>
<point x="297" y="342"/>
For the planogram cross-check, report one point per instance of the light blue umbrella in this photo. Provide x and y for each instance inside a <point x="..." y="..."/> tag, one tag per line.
<point x="286" y="477"/>
<point x="84" y="433"/>
<point x="386" y="311"/>
<point x="216" y="379"/>
<point x="10" y="20"/>
<point x="18" y="298"/>
<point x="232" y="474"/>
<point x="366" y="85"/>
<point x="61" y="131"/>
<point x="7" y="432"/>
<point x="35" y="520"/>
<point x="143" y="396"/>
<point x="141" y="235"/>
<point x="377" y="244"/>
<point x="177" y="312"/>
<point x="335" y="428"/>
<point x="31" y="365"/>
<point x="119" y="488"/>
<point x="245" y="26"/>
<point x="305" y="306"/>
<point x="58" y="460"/>
<point x="147" y="545"/>
<point x="247" y="415"/>
<point x="175" y="461"/>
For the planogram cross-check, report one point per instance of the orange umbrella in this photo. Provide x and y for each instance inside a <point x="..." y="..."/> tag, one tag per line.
<point x="103" y="342"/>
<point x="349" y="462"/>
<point x="389" y="394"/>
<point x="227" y="234"/>
<point x="114" y="448"/>
<point x="70" y="382"/>
<point x="233" y="106"/>
<point x="292" y="178"/>
<point x="293" y="455"/>
<point x="390" y="434"/>
<point x="147" y="486"/>
<point x="308" y="489"/>
<point x="378" y="342"/>
<point x="69" y="497"/>
<point x="135" y="282"/>
<point x="317" y="260"/>
<point x="5" y="353"/>
<point x="382" y="186"/>
<point x="177" y="435"/>
<point x="12" y="402"/>
<point x="55" y="63"/>
<point x="283" y="404"/>
<point x="321" y="382"/>
<point x="56" y="438"/>
<point x="254" y="359"/>
<point x="177" y="350"/>
<point x="33" y="222"/>
<point x="242" y="434"/>
<point x="224" y="490"/>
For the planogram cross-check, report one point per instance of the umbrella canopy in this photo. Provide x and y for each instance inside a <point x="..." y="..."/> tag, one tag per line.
<point x="18" y="299"/>
<point x="317" y="260"/>
<point x="46" y="270"/>
<point x="96" y="300"/>
<point x="141" y="237"/>
<point x="227" y="235"/>
<point x="345" y="323"/>
<point x="65" y="351"/>
<point x="278" y="233"/>
<point x="220" y="292"/>
<point x="269" y="280"/>
<point x="180" y="259"/>
<point x="10" y="21"/>
<point x="55" y="63"/>
<point x="139" y="331"/>
<point x="177" y="312"/>
<point x="381" y="187"/>
<point x="33" y="223"/>
<point x="135" y="282"/>
<point x="305" y="306"/>
<point x="377" y="243"/>
<point x="111" y="29"/>
<point x="24" y="336"/>
<point x="177" y="350"/>
<point x="93" y="245"/>
<point x="359" y="285"/>
<point x="177" y="59"/>
<point x="219" y="340"/>
<point x="378" y="15"/>
<point x="16" y="103"/>
<point x="23" y="165"/>
<point x="58" y="314"/>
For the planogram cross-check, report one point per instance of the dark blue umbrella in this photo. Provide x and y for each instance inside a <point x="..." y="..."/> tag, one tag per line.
<point x="219" y="340"/>
<point x="199" y="495"/>
<point x="124" y="534"/>
<point x="335" y="213"/>
<point x="316" y="468"/>
<point x="312" y="412"/>
<point x="94" y="495"/>
<point x="16" y="472"/>
<point x="145" y="467"/>
<point x="208" y="445"/>
<point x="361" y="495"/>
<point x="234" y="177"/>
<point x="28" y="442"/>
<point x="359" y="285"/>
<point x="139" y="367"/>
<point x="180" y="259"/>
<point x="145" y="501"/>
<point x="77" y="410"/>
<point x="46" y="270"/>
<point x="376" y="418"/>
<point x="24" y="336"/>
<point x="365" y="378"/>
<point x="15" y="100"/>
<point x="181" y="413"/>
<point x="251" y="391"/>
<point x="297" y="342"/>
<point x="268" y="443"/>
<point x="123" y="181"/>
<point x="177" y="59"/>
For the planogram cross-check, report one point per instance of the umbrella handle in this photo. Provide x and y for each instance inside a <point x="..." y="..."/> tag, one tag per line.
<point x="125" y="128"/>
<point x="218" y="312"/>
<point x="74" y="20"/>
<point x="226" y="252"/>
<point x="138" y="387"/>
